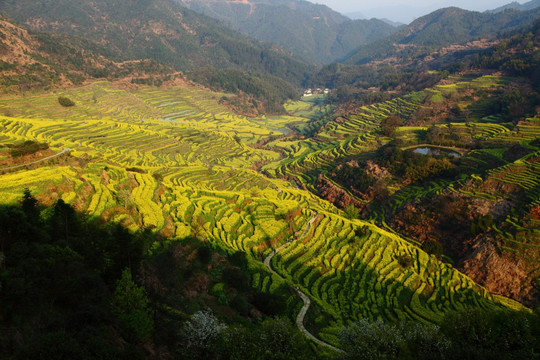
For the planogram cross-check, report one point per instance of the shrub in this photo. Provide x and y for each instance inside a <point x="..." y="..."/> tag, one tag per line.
<point x="351" y="212"/>
<point x="205" y="255"/>
<point x="27" y="148"/>
<point x="405" y="261"/>
<point x="433" y="247"/>
<point x="235" y="278"/>
<point x="65" y="101"/>
<point x="136" y="169"/>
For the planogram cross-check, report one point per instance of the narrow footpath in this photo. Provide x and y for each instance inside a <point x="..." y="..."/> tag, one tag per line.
<point x="304" y="297"/>
<point x="37" y="161"/>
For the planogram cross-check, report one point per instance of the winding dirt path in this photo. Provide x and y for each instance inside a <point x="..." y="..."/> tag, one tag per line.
<point x="66" y="150"/>
<point x="307" y="302"/>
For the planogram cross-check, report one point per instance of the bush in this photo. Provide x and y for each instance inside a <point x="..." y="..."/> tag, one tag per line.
<point x="65" y="101"/>
<point x="235" y="278"/>
<point x="136" y="169"/>
<point x="239" y="259"/>
<point x="270" y="304"/>
<point x="351" y="212"/>
<point x="405" y="261"/>
<point x="433" y="248"/>
<point x="205" y="255"/>
<point x="27" y="148"/>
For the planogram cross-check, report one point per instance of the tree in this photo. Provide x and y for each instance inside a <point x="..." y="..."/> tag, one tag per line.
<point x="124" y="197"/>
<point x="131" y="306"/>
<point x="351" y="212"/>
<point x="389" y="125"/>
<point x="404" y="260"/>
<point x="202" y="332"/>
<point x="239" y="258"/>
<point x="480" y="334"/>
<point x="64" y="222"/>
<point x="236" y="278"/>
<point x="282" y="340"/>
<point x="371" y="340"/>
<point x="197" y="224"/>
<point x="29" y="205"/>
<point x="204" y="254"/>
<point x="241" y="343"/>
<point x="407" y="340"/>
<point x="423" y="342"/>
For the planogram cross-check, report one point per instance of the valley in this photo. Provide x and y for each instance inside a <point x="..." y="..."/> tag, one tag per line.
<point x="176" y="162"/>
<point x="167" y="192"/>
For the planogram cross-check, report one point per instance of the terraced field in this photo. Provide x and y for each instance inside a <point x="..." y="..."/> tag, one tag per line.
<point x="177" y="162"/>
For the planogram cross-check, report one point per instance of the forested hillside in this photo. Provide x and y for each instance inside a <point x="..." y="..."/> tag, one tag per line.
<point x="440" y="29"/>
<point x="163" y="31"/>
<point x="31" y="60"/>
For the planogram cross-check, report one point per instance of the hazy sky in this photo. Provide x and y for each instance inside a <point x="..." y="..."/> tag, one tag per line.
<point x="407" y="10"/>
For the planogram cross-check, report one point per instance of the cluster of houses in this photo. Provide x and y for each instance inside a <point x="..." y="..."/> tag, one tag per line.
<point x="311" y="92"/>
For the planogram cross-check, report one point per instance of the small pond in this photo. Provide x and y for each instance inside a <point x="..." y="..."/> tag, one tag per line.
<point x="426" y="150"/>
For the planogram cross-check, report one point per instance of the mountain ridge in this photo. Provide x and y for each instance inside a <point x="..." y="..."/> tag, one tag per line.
<point x="155" y="29"/>
<point x="176" y="37"/>
<point x="517" y="6"/>
<point x="439" y="29"/>
<point x="36" y="59"/>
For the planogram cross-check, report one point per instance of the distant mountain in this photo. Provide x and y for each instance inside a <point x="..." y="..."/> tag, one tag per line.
<point x="517" y="6"/>
<point x="36" y="59"/>
<point x="518" y="55"/>
<point x="408" y="12"/>
<point x="160" y="30"/>
<point x="171" y="35"/>
<point x="402" y="13"/>
<point x="442" y="28"/>
<point x="393" y="23"/>
<point x="314" y="32"/>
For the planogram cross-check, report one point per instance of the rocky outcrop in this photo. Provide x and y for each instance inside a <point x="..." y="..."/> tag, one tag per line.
<point x="448" y="221"/>
<point x="499" y="272"/>
<point x="336" y="195"/>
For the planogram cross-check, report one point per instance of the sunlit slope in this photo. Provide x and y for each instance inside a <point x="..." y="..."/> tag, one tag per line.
<point x="176" y="162"/>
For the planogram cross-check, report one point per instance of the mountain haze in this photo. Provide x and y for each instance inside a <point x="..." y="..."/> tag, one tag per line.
<point x="314" y="32"/>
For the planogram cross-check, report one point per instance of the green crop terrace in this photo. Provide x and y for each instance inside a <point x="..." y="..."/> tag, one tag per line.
<point x="177" y="162"/>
